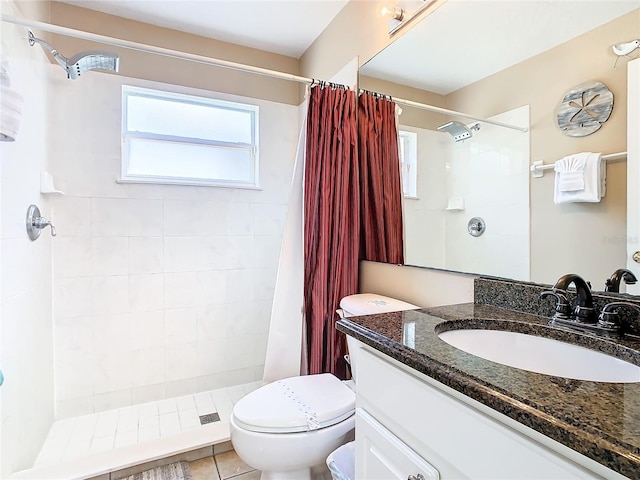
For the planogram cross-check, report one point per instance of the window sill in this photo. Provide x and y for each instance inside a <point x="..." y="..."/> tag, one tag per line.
<point x="186" y="183"/>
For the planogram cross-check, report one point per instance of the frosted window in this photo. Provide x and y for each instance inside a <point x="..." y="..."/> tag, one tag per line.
<point x="174" y="138"/>
<point x="154" y="158"/>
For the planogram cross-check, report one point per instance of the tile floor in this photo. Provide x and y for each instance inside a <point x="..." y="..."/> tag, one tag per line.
<point x="222" y="466"/>
<point x="92" y="445"/>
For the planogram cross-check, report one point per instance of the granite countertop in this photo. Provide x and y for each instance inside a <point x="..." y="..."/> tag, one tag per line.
<point x="598" y="420"/>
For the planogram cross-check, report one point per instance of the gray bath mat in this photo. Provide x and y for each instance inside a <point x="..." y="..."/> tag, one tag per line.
<point x="173" y="471"/>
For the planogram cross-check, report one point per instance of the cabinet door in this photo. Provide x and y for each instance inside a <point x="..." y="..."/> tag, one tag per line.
<point x="380" y="455"/>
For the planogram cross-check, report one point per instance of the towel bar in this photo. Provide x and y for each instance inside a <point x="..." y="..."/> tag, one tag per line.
<point x="538" y="168"/>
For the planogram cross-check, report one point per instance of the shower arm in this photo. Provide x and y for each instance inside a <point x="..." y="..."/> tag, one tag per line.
<point x="61" y="59"/>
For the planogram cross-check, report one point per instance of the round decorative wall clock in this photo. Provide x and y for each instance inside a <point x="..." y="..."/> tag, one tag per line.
<point x="584" y="109"/>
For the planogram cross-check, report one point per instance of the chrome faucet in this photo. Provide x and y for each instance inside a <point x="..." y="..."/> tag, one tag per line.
<point x="613" y="283"/>
<point x="583" y="314"/>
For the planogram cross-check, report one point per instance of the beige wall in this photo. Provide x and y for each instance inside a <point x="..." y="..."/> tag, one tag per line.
<point x="359" y="30"/>
<point x="178" y="72"/>
<point x="421" y="286"/>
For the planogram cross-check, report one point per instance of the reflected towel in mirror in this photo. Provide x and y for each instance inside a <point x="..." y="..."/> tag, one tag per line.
<point x="580" y="178"/>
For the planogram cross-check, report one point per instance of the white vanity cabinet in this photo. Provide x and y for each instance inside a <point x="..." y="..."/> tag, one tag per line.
<point x="409" y="424"/>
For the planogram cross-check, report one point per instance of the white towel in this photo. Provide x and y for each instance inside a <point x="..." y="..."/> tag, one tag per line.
<point x="580" y="178"/>
<point x="570" y="173"/>
<point x="10" y="114"/>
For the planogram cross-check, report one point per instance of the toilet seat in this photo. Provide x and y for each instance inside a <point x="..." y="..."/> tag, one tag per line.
<point x="296" y="404"/>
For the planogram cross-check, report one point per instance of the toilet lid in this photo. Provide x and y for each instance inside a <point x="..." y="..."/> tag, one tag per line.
<point x="296" y="404"/>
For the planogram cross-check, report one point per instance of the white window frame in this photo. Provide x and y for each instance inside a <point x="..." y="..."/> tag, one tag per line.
<point x="252" y="148"/>
<point x="408" y="154"/>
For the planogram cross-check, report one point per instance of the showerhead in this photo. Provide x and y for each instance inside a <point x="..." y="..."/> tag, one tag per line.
<point x="458" y="131"/>
<point x="82" y="62"/>
<point x="92" y="60"/>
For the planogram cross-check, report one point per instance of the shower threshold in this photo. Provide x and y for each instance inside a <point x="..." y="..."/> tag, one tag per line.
<point x="115" y="440"/>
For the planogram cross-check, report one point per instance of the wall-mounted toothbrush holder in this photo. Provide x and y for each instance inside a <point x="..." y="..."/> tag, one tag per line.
<point x="35" y="223"/>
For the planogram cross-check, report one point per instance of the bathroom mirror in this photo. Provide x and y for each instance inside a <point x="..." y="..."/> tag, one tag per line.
<point x="513" y="61"/>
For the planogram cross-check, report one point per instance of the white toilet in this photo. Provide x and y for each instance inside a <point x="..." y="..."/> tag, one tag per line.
<point x="287" y="428"/>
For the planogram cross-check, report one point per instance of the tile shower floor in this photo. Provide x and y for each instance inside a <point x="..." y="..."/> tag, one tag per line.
<point x="92" y="445"/>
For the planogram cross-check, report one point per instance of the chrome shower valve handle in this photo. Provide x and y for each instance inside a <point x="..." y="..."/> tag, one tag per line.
<point x="41" y="222"/>
<point x="35" y="223"/>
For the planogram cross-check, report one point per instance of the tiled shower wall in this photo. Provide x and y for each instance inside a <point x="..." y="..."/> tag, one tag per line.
<point x="159" y="291"/>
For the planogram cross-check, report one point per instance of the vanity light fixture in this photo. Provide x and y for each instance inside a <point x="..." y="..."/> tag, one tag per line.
<point x="405" y="11"/>
<point x="396" y="13"/>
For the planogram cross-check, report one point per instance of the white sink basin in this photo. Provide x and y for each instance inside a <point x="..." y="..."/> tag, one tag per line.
<point x="542" y="355"/>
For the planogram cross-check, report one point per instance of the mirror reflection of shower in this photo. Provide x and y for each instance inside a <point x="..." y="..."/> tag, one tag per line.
<point x="82" y="62"/>
<point x="459" y="131"/>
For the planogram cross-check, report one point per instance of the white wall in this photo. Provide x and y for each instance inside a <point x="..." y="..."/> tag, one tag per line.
<point x="159" y="290"/>
<point x="26" y="356"/>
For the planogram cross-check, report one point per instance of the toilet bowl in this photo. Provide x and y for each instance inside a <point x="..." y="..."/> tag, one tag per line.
<point x="287" y="428"/>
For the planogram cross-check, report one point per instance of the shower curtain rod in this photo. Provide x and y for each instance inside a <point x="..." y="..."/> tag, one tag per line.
<point x="431" y="108"/>
<point x="70" y="32"/>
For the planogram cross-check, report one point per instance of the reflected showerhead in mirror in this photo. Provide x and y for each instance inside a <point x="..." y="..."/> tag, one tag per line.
<point x="83" y="62"/>
<point x="459" y="131"/>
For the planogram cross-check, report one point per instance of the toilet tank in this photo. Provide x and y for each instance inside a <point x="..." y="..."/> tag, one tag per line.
<point x="370" y="303"/>
<point x="367" y="304"/>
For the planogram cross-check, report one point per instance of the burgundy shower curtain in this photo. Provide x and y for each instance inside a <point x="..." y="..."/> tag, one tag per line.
<point x="352" y="209"/>
<point x="380" y="182"/>
<point x="331" y="222"/>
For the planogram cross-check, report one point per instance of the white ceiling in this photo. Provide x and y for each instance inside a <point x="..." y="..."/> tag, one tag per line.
<point x="467" y="40"/>
<point x="287" y="27"/>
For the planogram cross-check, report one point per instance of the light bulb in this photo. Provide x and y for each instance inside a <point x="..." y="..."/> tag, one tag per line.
<point x="396" y="13"/>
